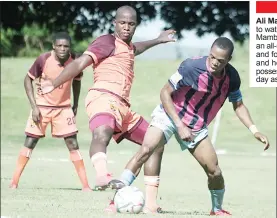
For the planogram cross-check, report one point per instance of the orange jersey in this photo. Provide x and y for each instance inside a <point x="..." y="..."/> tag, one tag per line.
<point x="113" y="65"/>
<point x="46" y="66"/>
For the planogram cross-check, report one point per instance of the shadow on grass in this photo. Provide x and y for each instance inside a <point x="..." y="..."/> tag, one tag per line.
<point x="191" y="213"/>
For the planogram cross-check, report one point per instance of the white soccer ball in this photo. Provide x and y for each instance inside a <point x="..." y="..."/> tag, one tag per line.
<point x="129" y="199"/>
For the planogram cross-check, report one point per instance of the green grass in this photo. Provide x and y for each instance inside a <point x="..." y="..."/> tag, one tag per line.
<point x="47" y="187"/>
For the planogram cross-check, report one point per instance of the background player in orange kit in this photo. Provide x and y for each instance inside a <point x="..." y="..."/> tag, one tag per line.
<point x="53" y="108"/>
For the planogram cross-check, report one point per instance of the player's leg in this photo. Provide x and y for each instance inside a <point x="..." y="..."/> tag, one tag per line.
<point x="105" y="112"/>
<point x="101" y="137"/>
<point x="64" y="126"/>
<point x="153" y="138"/>
<point x="205" y="154"/>
<point x="77" y="159"/>
<point x="23" y="158"/>
<point x="33" y="132"/>
<point x="150" y="153"/>
<point x="152" y="166"/>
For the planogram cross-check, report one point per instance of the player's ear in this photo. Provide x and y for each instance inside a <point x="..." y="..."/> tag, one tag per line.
<point x="230" y="58"/>
<point x="114" y="22"/>
<point x="53" y="45"/>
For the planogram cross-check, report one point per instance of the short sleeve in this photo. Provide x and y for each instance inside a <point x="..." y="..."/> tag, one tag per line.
<point x="101" y="48"/>
<point x="234" y="90"/>
<point x="37" y="68"/>
<point x="183" y="76"/>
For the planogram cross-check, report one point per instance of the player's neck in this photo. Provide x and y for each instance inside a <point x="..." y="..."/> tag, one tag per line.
<point x="219" y="74"/>
<point x="116" y="35"/>
<point x="62" y="61"/>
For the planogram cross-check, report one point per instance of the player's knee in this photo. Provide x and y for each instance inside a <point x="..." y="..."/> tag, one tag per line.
<point x="215" y="173"/>
<point x="145" y="152"/>
<point x="159" y="150"/>
<point x="102" y="136"/>
<point x="31" y="142"/>
<point x="72" y="144"/>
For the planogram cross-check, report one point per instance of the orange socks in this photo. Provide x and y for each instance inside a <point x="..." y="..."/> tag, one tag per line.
<point x="25" y="155"/>
<point x="78" y="162"/>
<point x="23" y="158"/>
<point x="151" y="191"/>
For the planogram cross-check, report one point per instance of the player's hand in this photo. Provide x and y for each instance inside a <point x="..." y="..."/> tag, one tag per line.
<point x="262" y="138"/>
<point x="75" y="108"/>
<point x="36" y="115"/>
<point x="167" y="36"/>
<point x="185" y="133"/>
<point x="46" y="86"/>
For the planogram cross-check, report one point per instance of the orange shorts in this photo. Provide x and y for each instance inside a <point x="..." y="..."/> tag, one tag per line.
<point x="105" y="108"/>
<point x="63" y="123"/>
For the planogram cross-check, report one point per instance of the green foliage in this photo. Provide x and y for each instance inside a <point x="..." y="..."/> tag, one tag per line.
<point x="204" y="17"/>
<point x="35" y="39"/>
<point x="7" y="46"/>
<point x="80" y="46"/>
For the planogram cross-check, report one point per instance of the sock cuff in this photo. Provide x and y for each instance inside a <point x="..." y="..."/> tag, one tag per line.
<point x="97" y="156"/>
<point x="218" y="191"/>
<point x="26" y="152"/>
<point x="127" y="177"/>
<point x="75" y="155"/>
<point x="152" y="180"/>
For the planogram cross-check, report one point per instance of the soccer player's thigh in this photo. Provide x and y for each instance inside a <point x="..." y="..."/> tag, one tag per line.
<point x="152" y="140"/>
<point x="37" y="130"/>
<point x="153" y="135"/>
<point x="104" y="109"/>
<point x="63" y="123"/>
<point x="205" y="154"/>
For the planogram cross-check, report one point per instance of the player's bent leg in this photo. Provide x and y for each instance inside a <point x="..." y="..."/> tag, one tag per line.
<point x="77" y="159"/>
<point x="23" y="158"/>
<point x="150" y="154"/>
<point x="101" y="137"/>
<point x="205" y="154"/>
<point x="154" y="138"/>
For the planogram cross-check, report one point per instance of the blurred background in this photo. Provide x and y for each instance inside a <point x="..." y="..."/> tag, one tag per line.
<point x="47" y="184"/>
<point x="27" y="27"/>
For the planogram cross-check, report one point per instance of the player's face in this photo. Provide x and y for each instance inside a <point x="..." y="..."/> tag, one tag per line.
<point x="218" y="59"/>
<point x="125" y="26"/>
<point x="62" y="48"/>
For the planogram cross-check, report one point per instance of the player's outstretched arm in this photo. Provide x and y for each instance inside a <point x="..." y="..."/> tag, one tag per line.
<point x="69" y="72"/>
<point x="164" y="37"/>
<point x="244" y="116"/>
<point x="165" y="95"/>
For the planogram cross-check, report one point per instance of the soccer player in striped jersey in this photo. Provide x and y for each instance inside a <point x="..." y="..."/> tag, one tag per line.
<point x="190" y="100"/>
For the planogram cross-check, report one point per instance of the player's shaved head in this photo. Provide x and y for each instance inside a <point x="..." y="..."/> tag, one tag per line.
<point x="225" y="44"/>
<point x="125" y="10"/>
<point x="125" y="23"/>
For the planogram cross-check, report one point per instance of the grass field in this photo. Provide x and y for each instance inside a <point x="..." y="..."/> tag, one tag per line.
<point x="49" y="186"/>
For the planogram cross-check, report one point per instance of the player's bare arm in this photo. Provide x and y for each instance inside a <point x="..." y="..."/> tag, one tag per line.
<point x="165" y="95"/>
<point x="28" y="84"/>
<point x="164" y="37"/>
<point x="73" y="69"/>
<point x="244" y="116"/>
<point x="76" y="88"/>
<point x="69" y="72"/>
